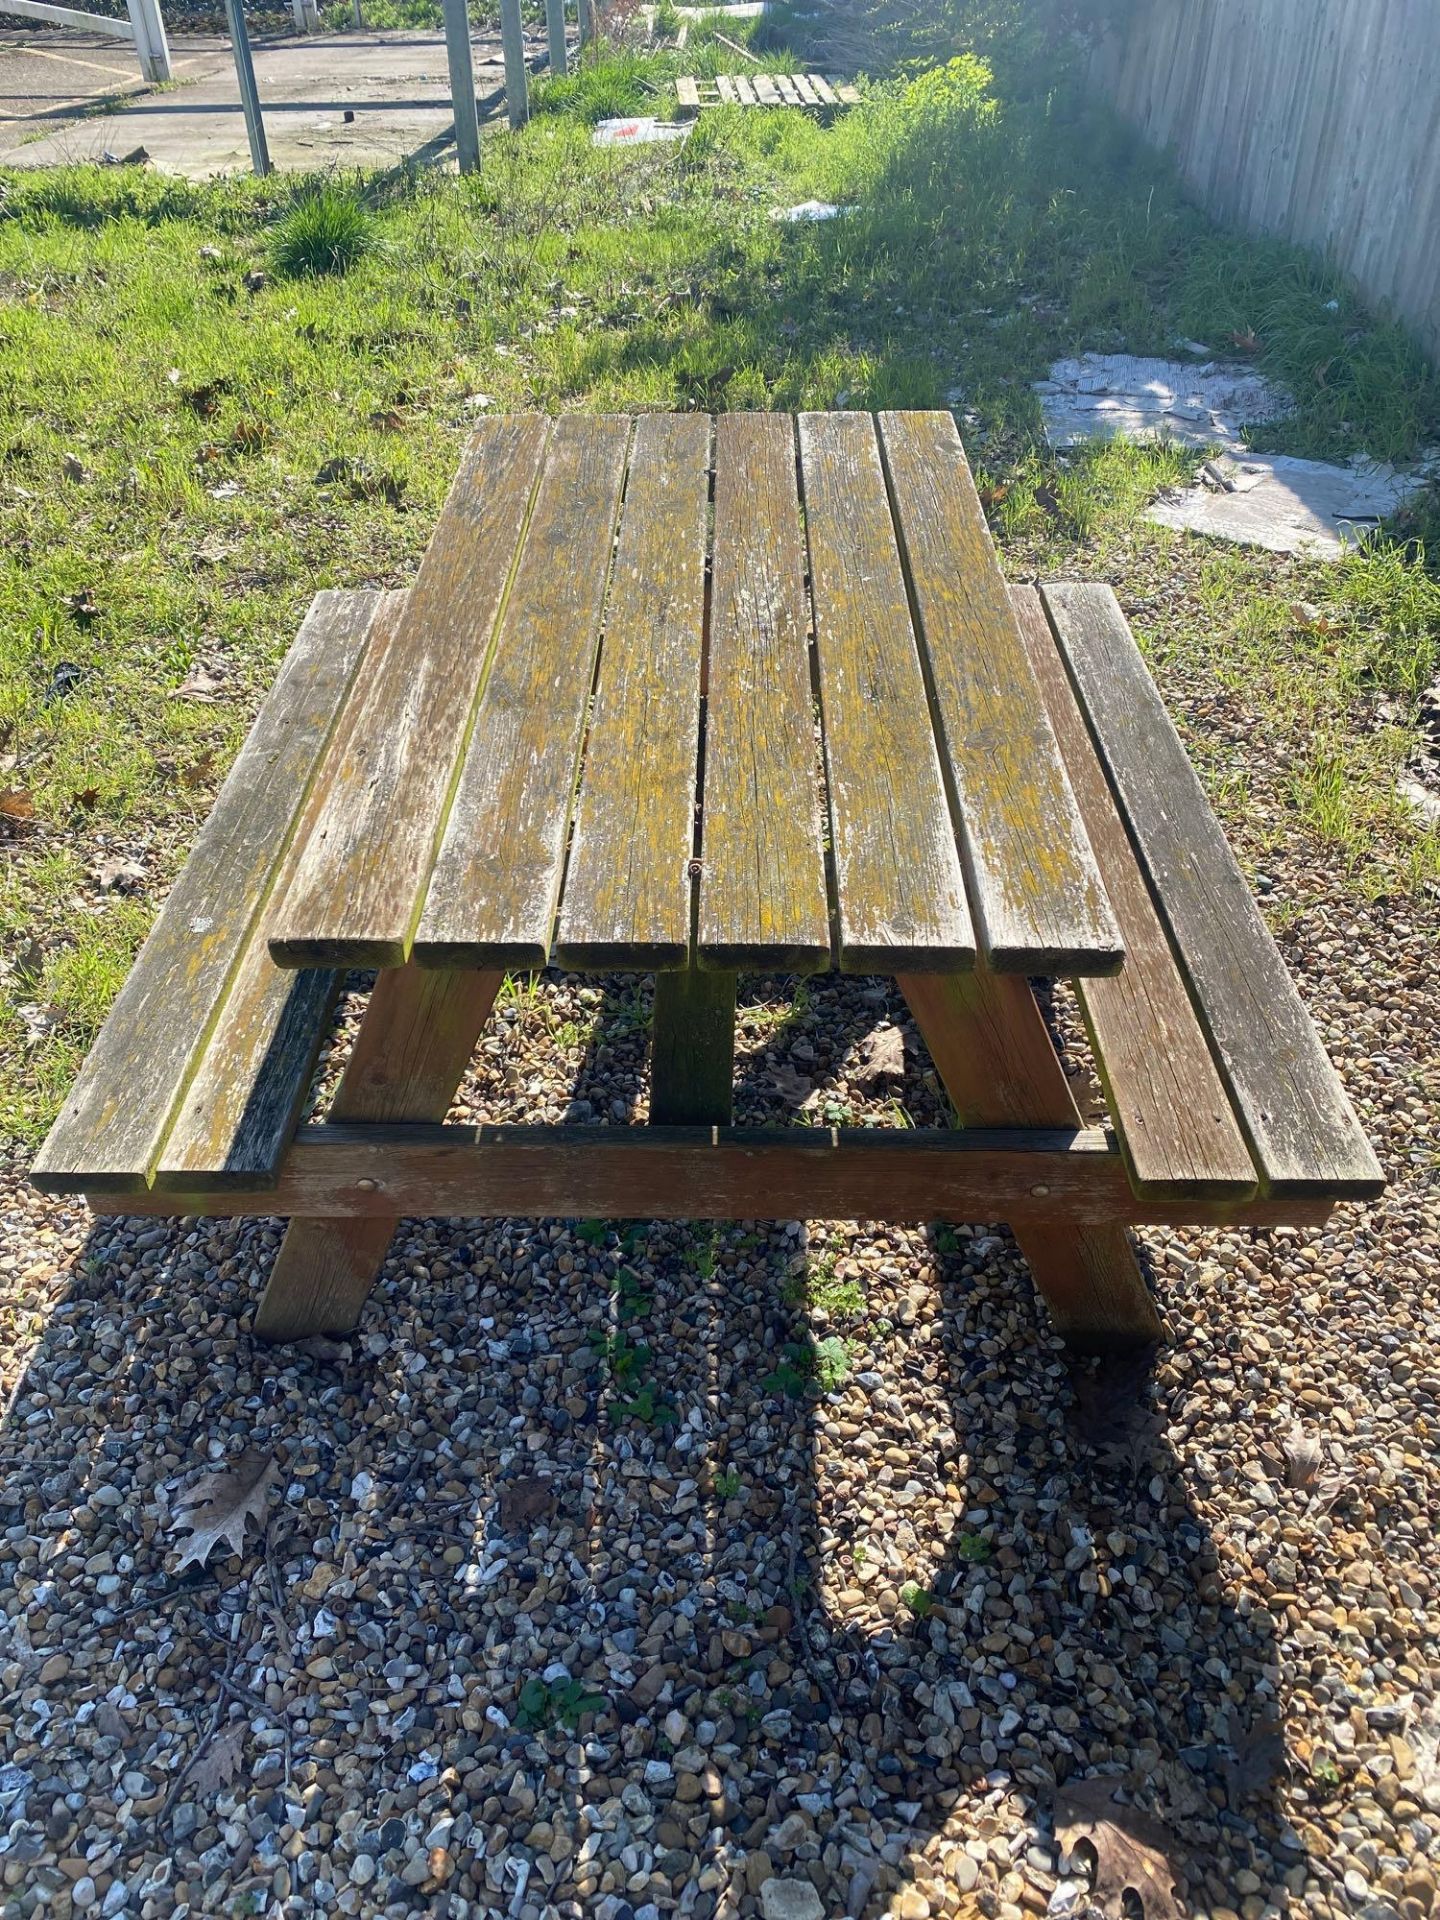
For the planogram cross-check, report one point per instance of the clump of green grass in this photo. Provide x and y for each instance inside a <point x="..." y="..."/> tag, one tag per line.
<point x="328" y="230"/>
<point x="611" y="88"/>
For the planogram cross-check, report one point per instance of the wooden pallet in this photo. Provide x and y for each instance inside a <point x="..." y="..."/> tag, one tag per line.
<point x="811" y="90"/>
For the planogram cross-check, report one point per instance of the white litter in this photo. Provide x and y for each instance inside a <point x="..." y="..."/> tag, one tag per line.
<point x="1287" y="505"/>
<point x="809" y="210"/>
<point x="642" y="132"/>
<point x="1102" y="395"/>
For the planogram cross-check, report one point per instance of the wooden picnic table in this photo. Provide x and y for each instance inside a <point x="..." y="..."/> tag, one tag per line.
<point x="692" y="696"/>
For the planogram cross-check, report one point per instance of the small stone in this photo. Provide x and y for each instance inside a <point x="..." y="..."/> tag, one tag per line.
<point x="791" y="1900"/>
<point x="362" y="1869"/>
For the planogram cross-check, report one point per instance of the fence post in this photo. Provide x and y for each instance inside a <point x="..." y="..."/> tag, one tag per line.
<point x="462" y="84"/>
<point x="307" y="15"/>
<point x="151" y="45"/>
<point x="512" y="37"/>
<point x="249" y="93"/>
<point x="586" y="11"/>
<point x="555" y="33"/>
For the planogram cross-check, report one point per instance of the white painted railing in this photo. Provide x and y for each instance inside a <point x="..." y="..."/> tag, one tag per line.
<point x="145" y="28"/>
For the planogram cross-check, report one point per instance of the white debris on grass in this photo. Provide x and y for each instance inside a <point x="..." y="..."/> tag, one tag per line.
<point x="641" y="131"/>
<point x="1102" y="395"/>
<point x="809" y="210"/>
<point x="1287" y="505"/>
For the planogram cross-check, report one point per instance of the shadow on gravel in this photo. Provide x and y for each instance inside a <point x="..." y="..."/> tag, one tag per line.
<point x="580" y="1595"/>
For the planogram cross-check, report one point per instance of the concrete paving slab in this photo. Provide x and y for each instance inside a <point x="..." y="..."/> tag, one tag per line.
<point x="332" y="100"/>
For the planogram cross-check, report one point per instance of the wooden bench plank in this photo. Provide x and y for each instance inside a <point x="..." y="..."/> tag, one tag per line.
<point x="111" y="1129"/>
<point x="1166" y="1096"/>
<point x="687" y="94"/>
<point x="496" y="881"/>
<point x="762" y="886"/>
<point x="785" y="87"/>
<point x="628" y="888"/>
<point x="900" y="889"/>
<point x="805" y="93"/>
<point x="1035" y="890"/>
<point x="765" y="91"/>
<point x="247" y="1090"/>
<point x="356" y="892"/>
<point x="745" y="91"/>
<point x="725" y="87"/>
<point x="824" y="92"/>
<point x="1051" y="1181"/>
<point x="846" y="95"/>
<point x="1297" y="1118"/>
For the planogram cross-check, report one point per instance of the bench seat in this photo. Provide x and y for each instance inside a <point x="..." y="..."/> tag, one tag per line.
<point x="197" y="1075"/>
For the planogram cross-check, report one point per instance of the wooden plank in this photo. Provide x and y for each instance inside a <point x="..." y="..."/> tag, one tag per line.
<point x="240" y="1109"/>
<point x="846" y="95"/>
<point x="1168" y="1101"/>
<point x="248" y="1087"/>
<point x="687" y="94"/>
<point x="628" y="887"/>
<point x="725" y="87"/>
<point x="497" y="876"/>
<point x="1288" y="1097"/>
<point x="353" y="1174"/>
<point x="824" y="92"/>
<point x="807" y="94"/>
<point x="1035" y="891"/>
<point x="762" y="886"/>
<point x="900" y="890"/>
<point x="994" y="1056"/>
<point x="785" y="87"/>
<point x="765" y="91"/>
<point x="356" y="893"/>
<point x="413" y="1046"/>
<point x="113" y="1123"/>
<point x="744" y="90"/>
<point x="692" y="1050"/>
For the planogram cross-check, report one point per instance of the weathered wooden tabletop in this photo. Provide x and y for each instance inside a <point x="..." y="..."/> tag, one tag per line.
<point x="748" y="690"/>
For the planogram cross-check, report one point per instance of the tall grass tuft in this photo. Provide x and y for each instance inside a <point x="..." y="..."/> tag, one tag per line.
<point x="327" y="231"/>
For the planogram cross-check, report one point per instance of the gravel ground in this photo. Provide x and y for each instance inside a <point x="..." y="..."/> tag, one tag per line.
<point x="578" y="1594"/>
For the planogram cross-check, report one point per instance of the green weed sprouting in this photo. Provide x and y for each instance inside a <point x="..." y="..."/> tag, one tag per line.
<point x="328" y="230"/>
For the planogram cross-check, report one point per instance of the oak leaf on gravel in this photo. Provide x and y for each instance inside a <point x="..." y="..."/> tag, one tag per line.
<point x="883" y="1057"/>
<point x="220" y="1762"/>
<point x="1129" y="1847"/>
<point x="219" y="1504"/>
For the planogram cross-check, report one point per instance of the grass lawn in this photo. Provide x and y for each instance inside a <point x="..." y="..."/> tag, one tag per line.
<point x="196" y="433"/>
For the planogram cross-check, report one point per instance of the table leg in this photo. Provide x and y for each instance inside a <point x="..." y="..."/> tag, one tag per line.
<point x="692" y="1049"/>
<point x="412" y="1049"/>
<point x="993" y="1053"/>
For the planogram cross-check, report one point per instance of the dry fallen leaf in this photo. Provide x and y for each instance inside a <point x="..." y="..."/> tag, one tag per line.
<point x="1259" y="1761"/>
<point x="217" y="1507"/>
<point x="883" y="1057"/>
<point x="74" y="468"/>
<point x="16" y="804"/>
<point x="88" y="798"/>
<point x="1130" y="1849"/>
<point x="1309" y="619"/>
<point x="525" y="1499"/>
<point x="200" y="684"/>
<point x="1245" y="340"/>
<point x="790" y="1085"/>
<point x="251" y="434"/>
<point x="201" y="774"/>
<point x="220" y="1762"/>
<point x="1303" y="1454"/>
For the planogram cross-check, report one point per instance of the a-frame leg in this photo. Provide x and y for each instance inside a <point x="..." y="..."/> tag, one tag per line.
<point x="992" y="1050"/>
<point x="412" y="1049"/>
<point x="692" y="1050"/>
